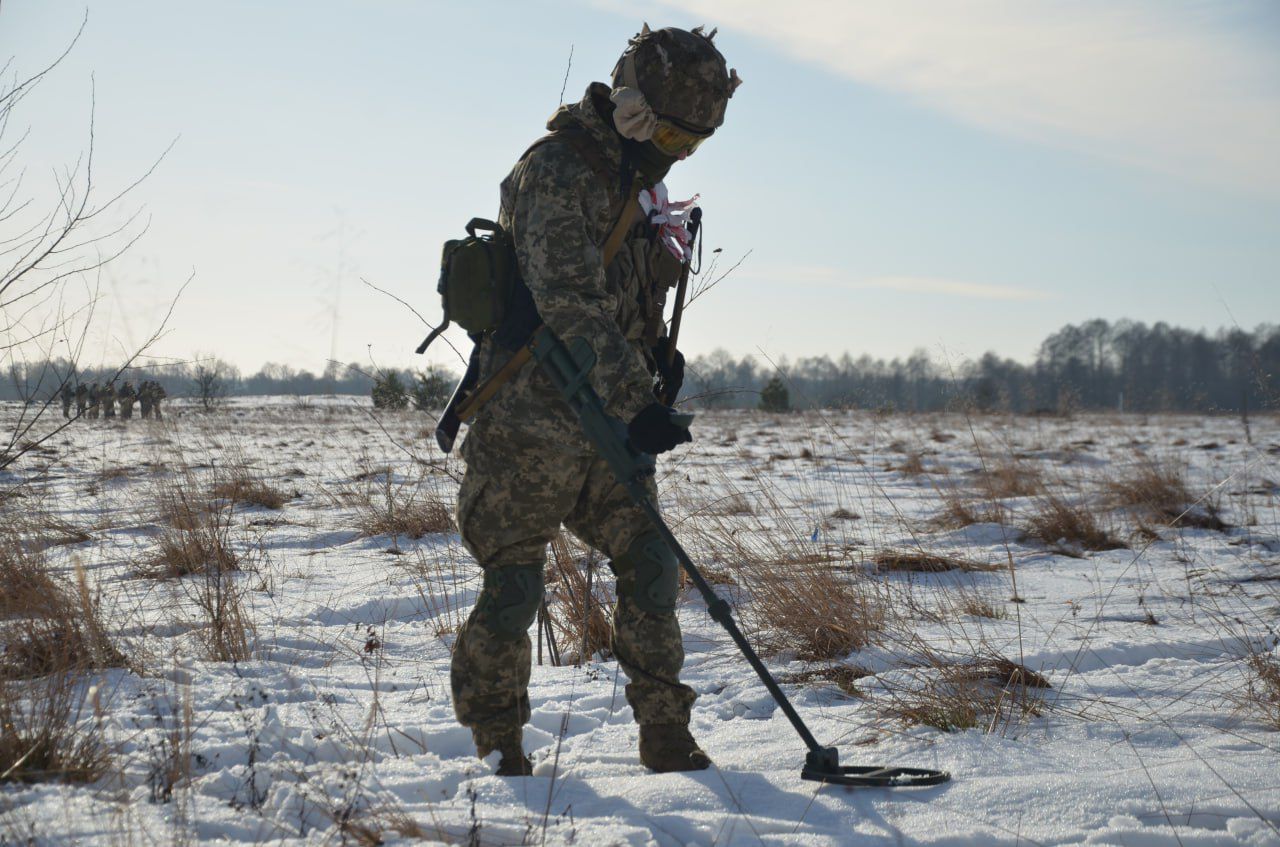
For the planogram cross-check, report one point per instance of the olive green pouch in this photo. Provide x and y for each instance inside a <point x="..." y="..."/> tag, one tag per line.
<point x="477" y="278"/>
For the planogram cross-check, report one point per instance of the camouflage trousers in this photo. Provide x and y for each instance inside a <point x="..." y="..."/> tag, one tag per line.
<point x="517" y="491"/>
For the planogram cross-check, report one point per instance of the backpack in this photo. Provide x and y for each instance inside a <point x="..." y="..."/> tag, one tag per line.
<point x="480" y="286"/>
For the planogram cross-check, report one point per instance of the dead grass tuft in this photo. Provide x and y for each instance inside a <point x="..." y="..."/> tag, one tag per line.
<point x="49" y="628"/>
<point x="912" y="465"/>
<point x="227" y="629"/>
<point x="899" y="561"/>
<point x="1262" y="695"/>
<point x="812" y="608"/>
<point x="244" y="489"/>
<point x="402" y="510"/>
<point x="197" y="543"/>
<point x="958" y="513"/>
<point x="579" y="607"/>
<point x="992" y="695"/>
<point x="1160" y="488"/>
<point x="46" y="736"/>
<point x="1067" y="527"/>
<point x="978" y="606"/>
<point x="1012" y="478"/>
<point x="843" y="677"/>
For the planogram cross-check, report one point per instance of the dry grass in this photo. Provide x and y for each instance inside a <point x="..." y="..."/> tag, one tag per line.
<point x="957" y="512"/>
<point x="227" y="629"/>
<point x="813" y="609"/>
<point x="992" y="694"/>
<point x="437" y="580"/>
<point x="194" y="540"/>
<point x="578" y="610"/>
<point x="48" y="628"/>
<point x="912" y="465"/>
<point x="843" y="677"/>
<point x="46" y="734"/>
<point x="900" y="561"/>
<point x="1068" y="527"/>
<point x="402" y="510"/>
<point x="976" y="605"/>
<point x="1011" y="478"/>
<point x="240" y="487"/>
<point x="1160" y="488"/>
<point x="1262" y="696"/>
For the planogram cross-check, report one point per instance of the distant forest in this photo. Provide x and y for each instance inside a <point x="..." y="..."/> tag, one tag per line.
<point x="1095" y="365"/>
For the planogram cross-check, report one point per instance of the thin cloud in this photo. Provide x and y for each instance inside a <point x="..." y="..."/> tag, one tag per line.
<point x="951" y="287"/>
<point x="826" y="275"/>
<point x="1174" y="86"/>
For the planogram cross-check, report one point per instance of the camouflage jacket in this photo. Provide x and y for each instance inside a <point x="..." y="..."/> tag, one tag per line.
<point x="559" y="210"/>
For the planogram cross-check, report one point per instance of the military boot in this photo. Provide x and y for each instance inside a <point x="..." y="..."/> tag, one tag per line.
<point x="667" y="747"/>
<point x="514" y="761"/>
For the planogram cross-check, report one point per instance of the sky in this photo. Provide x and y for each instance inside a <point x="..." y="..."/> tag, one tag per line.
<point x="956" y="177"/>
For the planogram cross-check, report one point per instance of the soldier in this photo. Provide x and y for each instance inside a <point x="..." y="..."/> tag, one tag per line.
<point x="529" y="468"/>
<point x="145" y="397"/>
<point x="82" y="399"/>
<point x="95" y="401"/>
<point x="66" y="394"/>
<point x="127" y="395"/>
<point x="157" y="394"/>
<point x="108" y="397"/>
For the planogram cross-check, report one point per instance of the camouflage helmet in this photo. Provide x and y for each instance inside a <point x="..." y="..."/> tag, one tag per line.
<point x="680" y="73"/>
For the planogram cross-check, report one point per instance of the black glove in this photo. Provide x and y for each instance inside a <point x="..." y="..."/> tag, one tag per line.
<point x="652" y="431"/>
<point x="670" y="376"/>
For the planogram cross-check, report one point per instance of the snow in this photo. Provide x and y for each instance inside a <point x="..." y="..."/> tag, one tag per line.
<point x="1144" y="738"/>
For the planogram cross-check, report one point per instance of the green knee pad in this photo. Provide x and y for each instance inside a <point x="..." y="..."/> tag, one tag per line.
<point x="654" y="578"/>
<point x="510" y="599"/>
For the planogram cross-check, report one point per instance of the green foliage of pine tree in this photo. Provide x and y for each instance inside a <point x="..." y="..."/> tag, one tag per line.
<point x="389" y="391"/>
<point x="774" y="396"/>
<point x="431" y="390"/>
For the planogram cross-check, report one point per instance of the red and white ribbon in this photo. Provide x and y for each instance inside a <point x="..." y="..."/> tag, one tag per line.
<point x="672" y="219"/>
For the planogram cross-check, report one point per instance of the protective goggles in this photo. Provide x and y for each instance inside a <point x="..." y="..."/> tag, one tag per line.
<point x="673" y="139"/>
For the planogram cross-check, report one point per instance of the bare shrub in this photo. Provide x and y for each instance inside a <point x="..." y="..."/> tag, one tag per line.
<point x="46" y="734"/>
<point x="1066" y="526"/>
<point x="579" y="606"/>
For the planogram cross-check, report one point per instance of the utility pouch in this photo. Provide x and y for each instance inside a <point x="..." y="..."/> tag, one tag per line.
<point x="477" y="279"/>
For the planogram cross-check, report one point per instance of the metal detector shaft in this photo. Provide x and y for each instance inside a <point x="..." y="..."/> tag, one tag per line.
<point x="569" y="371"/>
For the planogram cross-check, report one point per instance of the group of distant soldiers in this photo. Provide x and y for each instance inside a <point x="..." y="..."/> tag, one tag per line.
<point x="94" y="401"/>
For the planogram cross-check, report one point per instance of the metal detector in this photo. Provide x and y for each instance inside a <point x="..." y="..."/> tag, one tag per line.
<point x="569" y="369"/>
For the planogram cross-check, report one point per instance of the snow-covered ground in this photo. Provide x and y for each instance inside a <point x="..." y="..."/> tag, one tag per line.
<point x="339" y="726"/>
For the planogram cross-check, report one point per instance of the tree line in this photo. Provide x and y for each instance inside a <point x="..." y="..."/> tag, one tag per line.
<point x="1126" y="365"/>
<point x="1095" y="365"/>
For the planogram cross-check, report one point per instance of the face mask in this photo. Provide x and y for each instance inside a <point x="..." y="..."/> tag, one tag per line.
<point x="648" y="160"/>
